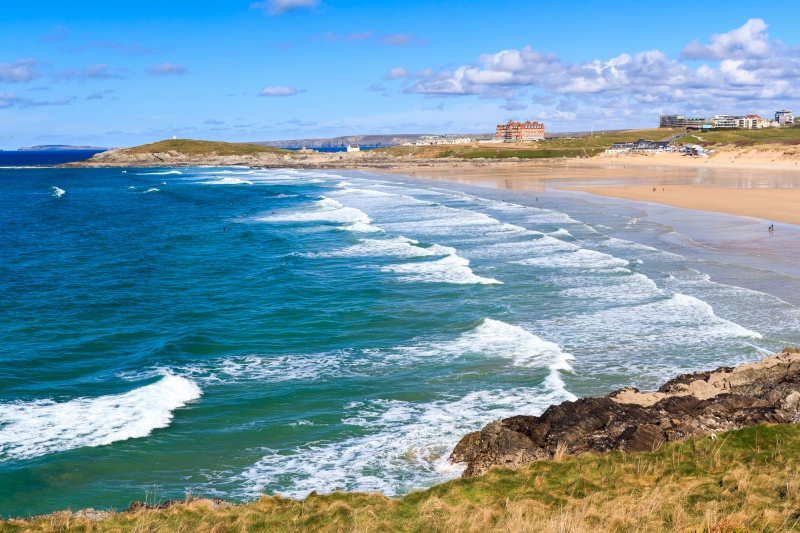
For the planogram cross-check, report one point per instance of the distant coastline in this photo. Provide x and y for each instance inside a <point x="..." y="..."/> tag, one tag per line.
<point x="61" y="148"/>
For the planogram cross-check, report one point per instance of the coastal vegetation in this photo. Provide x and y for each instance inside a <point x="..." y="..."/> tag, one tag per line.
<point x="193" y="147"/>
<point x="578" y="146"/>
<point x="743" y="481"/>
<point x="767" y="138"/>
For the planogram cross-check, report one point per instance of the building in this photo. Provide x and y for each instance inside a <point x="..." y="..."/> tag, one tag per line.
<point x="640" y="146"/>
<point x="750" y="122"/>
<point x="725" y="122"/>
<point x="784" y="118"/>
<point x="355" y="148"/>
<point x="682" y="123"/>
<point x="520" y="131"/>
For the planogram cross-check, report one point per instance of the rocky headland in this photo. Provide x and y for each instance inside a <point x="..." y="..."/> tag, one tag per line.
<point x="690" y="405"/>
<point x="299" y="159"/>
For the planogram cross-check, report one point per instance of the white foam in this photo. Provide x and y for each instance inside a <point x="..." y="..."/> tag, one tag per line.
<point x="580" y="259"/>
<point x="56" y="192"/>
<point x="391" y="247"/>
<point x="450" y="269"/>
<point x="405" y="447"/>
<point x="152" y="189"/>
<point x="32" y="429"/>
<point x="226" y="180"/>
<point x="330" y="211"/>
<point x="165" y="173"/>
<point x="622" y="286"/>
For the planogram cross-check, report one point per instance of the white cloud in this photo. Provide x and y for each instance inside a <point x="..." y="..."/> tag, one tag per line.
<point x="13" y="100"/>
<point x="396" y="73"/>
<point x="279" y="90"/>
<point x="745" y="70"/>
<point x="278" y="7"/>
<point x="20" y="71"/>
<point x="166" y="69"/>
<point x="751" y="40"/>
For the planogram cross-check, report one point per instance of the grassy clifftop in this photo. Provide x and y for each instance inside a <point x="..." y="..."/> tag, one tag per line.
<point x="584" y="146"/>
<point x="768" y="138"/>
<point x="744" y="481"/>
<point x="192" y="147"/>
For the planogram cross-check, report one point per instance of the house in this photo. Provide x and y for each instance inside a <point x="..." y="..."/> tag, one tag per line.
<point x="355" y="148"/>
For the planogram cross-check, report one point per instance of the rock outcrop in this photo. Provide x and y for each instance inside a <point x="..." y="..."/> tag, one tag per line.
<point x="631" y="421"/>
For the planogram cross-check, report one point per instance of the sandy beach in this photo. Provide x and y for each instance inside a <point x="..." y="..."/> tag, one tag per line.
<point x="759" y="184"/>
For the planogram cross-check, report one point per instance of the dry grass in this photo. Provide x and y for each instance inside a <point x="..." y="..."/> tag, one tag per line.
<point x="745" y="481"/>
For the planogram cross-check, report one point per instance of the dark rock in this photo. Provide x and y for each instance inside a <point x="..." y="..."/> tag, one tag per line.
<point x="767" y="391"/>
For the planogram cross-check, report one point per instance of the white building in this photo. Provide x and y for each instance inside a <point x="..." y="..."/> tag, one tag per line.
<point x="355" y="148"/>
<point x="784" y="117"/>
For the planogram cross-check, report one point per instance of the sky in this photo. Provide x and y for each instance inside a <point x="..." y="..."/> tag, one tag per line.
<point x="125" y="73"/>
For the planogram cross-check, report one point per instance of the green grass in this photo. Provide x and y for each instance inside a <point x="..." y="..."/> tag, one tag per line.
<point x="192" y="147"/>
<point x="763" y="138"/>
<point x="746" y="480"/>
<point x="583" y="146"/>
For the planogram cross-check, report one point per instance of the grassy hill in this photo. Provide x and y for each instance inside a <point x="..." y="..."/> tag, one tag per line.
<point x="744" y="481"/>
<point x="774" y="138"/>
<point x="583" y="146"/>
<point x="192" y="147"/>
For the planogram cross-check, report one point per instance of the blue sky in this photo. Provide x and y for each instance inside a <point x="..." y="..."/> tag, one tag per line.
<point x="120" y="74"/>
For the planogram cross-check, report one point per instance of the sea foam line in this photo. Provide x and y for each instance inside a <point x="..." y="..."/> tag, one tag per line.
<point x="32" y="429"/>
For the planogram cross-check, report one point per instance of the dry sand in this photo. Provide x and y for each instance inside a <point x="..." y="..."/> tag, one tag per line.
<point x="779" y="205"/>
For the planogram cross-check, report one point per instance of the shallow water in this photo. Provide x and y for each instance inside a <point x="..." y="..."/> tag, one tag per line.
<point x="232" y="332"/>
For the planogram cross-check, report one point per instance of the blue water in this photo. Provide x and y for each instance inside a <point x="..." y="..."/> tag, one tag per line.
<point x="234" y="332"/>
<point x="27" y="158"/>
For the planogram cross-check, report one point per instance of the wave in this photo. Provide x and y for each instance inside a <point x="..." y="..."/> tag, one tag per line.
<point x="32" y="429"/>
<point x="402" y="445"/>
<point x="328" y="211"/>
<point x="165" y="173"/>
<point x="56" y="192"/>
<point x="152" y="189"/>
<point x="450" y="269"/>
<point x="408" y="443"/>
<point x="578" y="259"/>
<point x="225" y="180"/>
<point x="392" y="247"/>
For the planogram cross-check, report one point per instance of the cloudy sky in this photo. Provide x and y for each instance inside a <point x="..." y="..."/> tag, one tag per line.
<point x="121" y="74"/>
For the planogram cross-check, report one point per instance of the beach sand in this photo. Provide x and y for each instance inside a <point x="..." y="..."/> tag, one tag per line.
<point x="761" y="185"/>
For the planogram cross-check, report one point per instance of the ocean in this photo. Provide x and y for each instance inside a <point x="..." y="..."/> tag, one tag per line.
<point x="23" y="158"/>
<point x="228" y="332"/>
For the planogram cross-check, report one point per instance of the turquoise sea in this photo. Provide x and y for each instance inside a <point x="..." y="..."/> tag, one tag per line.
<point x="232" y="332"/>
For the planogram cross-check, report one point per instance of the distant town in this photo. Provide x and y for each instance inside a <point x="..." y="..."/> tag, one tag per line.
<point x="782" y="119"/>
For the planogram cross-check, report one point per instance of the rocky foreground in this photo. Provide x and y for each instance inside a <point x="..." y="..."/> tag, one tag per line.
<point x="690" y="405"/>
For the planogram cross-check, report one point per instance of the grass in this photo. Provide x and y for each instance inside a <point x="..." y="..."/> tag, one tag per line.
<point x="768" y="138"/>
<point x="192" y="147"/>
<point x="744" y="481"/>
<point x="583" y="146"/>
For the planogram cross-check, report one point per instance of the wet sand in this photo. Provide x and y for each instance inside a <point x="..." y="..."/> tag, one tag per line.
<point x="771" y="193"/>
<point x="718" y="216"/>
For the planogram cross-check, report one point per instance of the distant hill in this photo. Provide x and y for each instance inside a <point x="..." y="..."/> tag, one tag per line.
<point x="366" y="140"/>
<point x="58" y="148"/>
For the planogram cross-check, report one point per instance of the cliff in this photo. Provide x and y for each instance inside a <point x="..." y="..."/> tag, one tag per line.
<point x="627" y="420"/>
